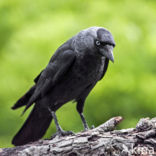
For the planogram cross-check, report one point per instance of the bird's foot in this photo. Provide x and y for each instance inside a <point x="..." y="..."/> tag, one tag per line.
<point x="87" y="128"/>
<point x="65" y="133"/>
<point x="92" y="127"/>
<point x="62" y="133"/>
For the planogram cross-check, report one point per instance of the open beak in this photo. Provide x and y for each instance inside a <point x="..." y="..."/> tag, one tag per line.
<point x="108" y="52"/>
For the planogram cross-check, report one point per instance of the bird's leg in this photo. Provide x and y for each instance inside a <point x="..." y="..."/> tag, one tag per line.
<point x="60" y="131"/>
<point x="85" y="125"/>
<point x="58" y="127"/>
<point x="80" y="104"/>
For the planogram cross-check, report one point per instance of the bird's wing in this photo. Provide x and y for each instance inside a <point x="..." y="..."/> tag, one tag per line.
<point x="105" y="68"/>
<point x="52" y="74"/>
<point x="37" y="77"/>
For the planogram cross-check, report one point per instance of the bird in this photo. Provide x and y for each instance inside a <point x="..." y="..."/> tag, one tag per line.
<point x="72" y="72"/>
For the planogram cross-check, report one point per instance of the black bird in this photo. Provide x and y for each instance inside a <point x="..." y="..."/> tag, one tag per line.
<point x="71" y="74"/>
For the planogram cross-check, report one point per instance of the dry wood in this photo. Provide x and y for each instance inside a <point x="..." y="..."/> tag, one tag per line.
<point x="102" y="140"/>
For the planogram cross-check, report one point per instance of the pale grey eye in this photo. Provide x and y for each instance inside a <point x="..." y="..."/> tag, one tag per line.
<point x="98" y="43"/>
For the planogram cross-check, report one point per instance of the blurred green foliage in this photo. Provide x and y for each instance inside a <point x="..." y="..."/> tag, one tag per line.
<point x="30" y="31"/>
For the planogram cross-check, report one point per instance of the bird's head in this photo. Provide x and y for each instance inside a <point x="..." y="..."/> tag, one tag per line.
<point x="96" y="40"/>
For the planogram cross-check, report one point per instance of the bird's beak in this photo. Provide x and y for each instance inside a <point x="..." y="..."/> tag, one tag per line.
<point x="108" y="53"/>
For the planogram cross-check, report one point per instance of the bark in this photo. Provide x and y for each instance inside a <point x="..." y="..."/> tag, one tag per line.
<point x="102" y="140"/>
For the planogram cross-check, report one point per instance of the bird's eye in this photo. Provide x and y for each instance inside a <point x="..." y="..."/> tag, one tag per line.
<point x="98" y="43"/>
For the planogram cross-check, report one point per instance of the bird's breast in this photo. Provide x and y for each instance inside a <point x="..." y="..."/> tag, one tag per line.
<point x="85" y="71"/>
<point x="89" y="68"/>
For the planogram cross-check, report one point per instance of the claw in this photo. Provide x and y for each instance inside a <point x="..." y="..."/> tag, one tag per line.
<point x="62" y="133"/>
<point x="92" y="127"/>
<point x="66" y="133"/>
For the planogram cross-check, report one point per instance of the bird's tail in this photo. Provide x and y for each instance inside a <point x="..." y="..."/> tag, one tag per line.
<point x="34" y="127"/>
<point x="25" y="98"/>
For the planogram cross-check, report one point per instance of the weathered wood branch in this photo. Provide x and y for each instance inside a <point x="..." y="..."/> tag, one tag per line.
<point x="103" y="140"/>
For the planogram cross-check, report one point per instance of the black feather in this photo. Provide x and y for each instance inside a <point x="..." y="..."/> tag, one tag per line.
<point x="71" y="74"/>
<point x="34" y="127"/>
<point x="24" y="99"/>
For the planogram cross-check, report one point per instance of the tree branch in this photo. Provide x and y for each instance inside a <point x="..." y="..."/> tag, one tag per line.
<point x="102" y="140"/>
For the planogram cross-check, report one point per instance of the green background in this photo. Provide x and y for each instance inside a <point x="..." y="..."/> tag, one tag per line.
<point x="30" y="32"/>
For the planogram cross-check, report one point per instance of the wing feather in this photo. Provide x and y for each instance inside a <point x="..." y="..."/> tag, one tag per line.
<point x="51" y="75"/>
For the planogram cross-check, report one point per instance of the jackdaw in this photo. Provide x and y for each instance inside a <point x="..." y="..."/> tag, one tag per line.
<point x="71" y="74"/>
